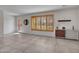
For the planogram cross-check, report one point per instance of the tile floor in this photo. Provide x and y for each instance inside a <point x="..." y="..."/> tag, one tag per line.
<point x="27" y="43"/>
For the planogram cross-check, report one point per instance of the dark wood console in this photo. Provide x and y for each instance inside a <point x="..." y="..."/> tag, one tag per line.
<point x="60" y="33"/>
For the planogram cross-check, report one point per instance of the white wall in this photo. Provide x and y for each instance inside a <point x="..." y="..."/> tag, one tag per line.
<point x="1" y="22"/>
<point x="67" y="14"/>
<point x="16" y="23"/>
<point x="77" y="18"/>
<point x="9" y="23"/>
<point x="70" y="14"/>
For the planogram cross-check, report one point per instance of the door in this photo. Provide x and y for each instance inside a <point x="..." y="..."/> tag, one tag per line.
<point x="19" y="25"/>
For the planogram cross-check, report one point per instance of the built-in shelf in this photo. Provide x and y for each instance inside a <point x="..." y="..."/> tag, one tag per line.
<point x="64" y="20"/>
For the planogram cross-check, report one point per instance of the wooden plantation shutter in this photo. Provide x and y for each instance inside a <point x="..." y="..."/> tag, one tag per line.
<point x="42" y="23"/>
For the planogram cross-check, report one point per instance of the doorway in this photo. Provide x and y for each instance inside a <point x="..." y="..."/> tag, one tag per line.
<point x="19" y="25"/>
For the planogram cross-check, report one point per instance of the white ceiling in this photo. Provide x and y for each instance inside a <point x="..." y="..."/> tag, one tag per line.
<point x="26" y="9"/>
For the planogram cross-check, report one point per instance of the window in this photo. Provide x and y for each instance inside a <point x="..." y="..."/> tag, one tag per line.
<point x="42" y="23"/>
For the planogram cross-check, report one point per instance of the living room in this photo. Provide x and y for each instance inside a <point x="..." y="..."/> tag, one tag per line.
<point x="39" y="28"/>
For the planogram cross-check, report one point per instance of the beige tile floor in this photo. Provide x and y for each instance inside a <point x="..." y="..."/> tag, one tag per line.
<point x="26" y="43"/>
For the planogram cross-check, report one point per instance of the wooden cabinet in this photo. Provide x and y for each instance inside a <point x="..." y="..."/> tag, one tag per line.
<point x="67" y="34"/>
<point x="60" y="33"/>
